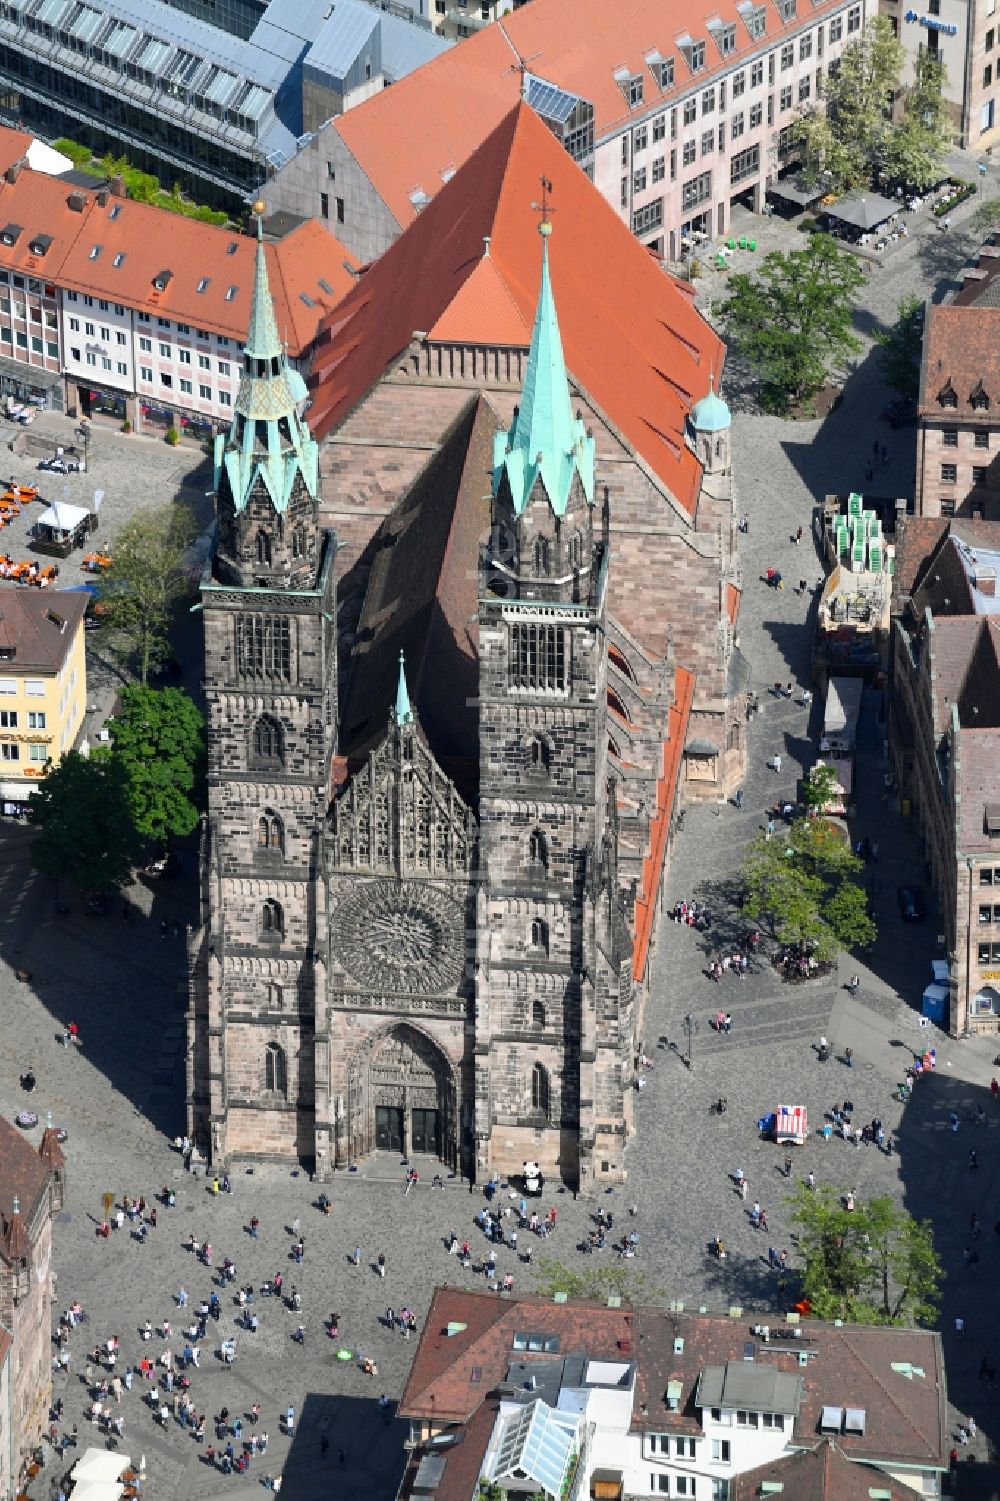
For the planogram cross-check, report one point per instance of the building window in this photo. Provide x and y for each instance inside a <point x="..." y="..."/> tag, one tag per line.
<point x="787" y="57"/>
<point x="946" y="506"/>
<point x="324" y="205"/>
<point x="537" y="1015"/>
<point x="634" y="92"/>
<point x="697" y="57"/>
<point x="805" y="89"/>
<point x="949" y="474"/>
<point x="270" y="834"/>
<point x="639" y="181"/>
<point x="979" y="473"/>
<point x="640" y="137"/>
<point x="721" y="1451"/>
<point x="659" y="169"/>
<point x="225" y="399"/>
<point x="263" y="548"/>
<point x="785" y="99"/>
<point x="988" y="76"/>
<point x="272" y="919"/>
<point x="689" y="152"/>
<point x="8" y="719"/>
<point x="748" y="1419"/>
<point x="980" y="440"/>
<point x="264" y="646"/>
<point x="757" y="74"/>
<point x="726" y="39"/>
<point x="540" y="1090"/>
<point x="38" y="754"/>
<point x="34" y="687"/>
<point x="854" y="19"/>
<point x="805" y="46"/>
<point x="267" y="742"/>
<point x="540" y="934"/>
<point x="685" y="1448"/>
<point x="756" y="115"/>
<point x="698" y="190"/>
<point x="708" y="101"/>
<point x="659" y="128"/>
<point x="205" y="392"/>
<point x="738" y="125"/>
<point x="275" y="1070"/>
<point x="186" y="387"/>
<point x="9" y="750"/>
<point x="744" y="164"/>
<point x="707" y="142"/>
<point x="666" y="73"/>
<point x="538" y="658"/>
<point x="36" y="719"/>
<point x="184" y="355"/>
<point x="836" y="29"/>
<point x="949" y="437"/>
<point x="538" y="850"/>
<point x="539" y="755"/>
<point x="739" y="85"/>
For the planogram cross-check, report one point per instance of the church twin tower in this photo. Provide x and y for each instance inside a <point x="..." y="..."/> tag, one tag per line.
<point x="382" y="964"/>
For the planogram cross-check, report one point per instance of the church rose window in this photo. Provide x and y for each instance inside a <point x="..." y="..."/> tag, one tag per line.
<point x="538" y="658"/>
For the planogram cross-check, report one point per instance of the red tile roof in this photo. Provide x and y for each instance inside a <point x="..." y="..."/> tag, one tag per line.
<point x="659" y="826"/>
<point x="152" y="240"/>
<point x="961" y="350"/>
<point x="13" y="146"/>
<point x="41" y="626"/>
<point x="821" y="1474"/>
<point x="408" y="137"/>
<point x="640" y="351"/>
<point x="23" y="1176"/>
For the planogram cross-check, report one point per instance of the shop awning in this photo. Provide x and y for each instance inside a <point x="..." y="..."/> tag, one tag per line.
<point x="862" y="210"/>
<point x="795" y="189"/>
<point x="29" y="375"/>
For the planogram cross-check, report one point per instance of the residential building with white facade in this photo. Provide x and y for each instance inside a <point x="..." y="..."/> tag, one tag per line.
<point x="674" y="115"/>
<point x="584" y="1400"/>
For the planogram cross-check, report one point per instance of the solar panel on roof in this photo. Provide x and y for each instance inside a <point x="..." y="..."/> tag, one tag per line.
<point x="549" y="101"/>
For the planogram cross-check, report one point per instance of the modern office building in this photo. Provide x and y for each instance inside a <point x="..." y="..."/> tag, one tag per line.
<point x="184" y="99"/>
<point x="966" y="38"/>
<point x="674" y="116"/>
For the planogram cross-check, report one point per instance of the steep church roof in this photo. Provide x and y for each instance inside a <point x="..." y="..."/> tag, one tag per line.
<point x="634" y="343"/>
<point x="267" y="438"/>
<point x="421" y="601"/>
<point x="545" y="439"/>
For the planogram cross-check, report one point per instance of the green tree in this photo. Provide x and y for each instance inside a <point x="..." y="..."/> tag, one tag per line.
<point x="819" y="787"/>
<point x="145" y="581"/>
<point x="844" y="136"/>
<point x="85" y="827"/>
<point x="873" y="1264"/>
<point x="794" y="321"/>
<point x="158" y="738"/>
<point x="490" y="1490"/>
<point x="595" y="1284"/>
<point x="901" y="347"/>
<point x="802" y="881"/>
<point x="912" y="152"/>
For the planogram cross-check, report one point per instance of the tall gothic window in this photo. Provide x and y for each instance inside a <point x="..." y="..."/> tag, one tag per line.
<point x="538" y="849"/>
<point x="264" y="646"/>
<point x="275" y="1070"/>
<point x="272" y="919"/>
<point x="267" y="744"/>
<point x="576" y="550"/>
<point x="270" y="833"/>
<point x="264" y="547"/>
<point x="538" y="754"/>
<point x="538" y="658"/>
<point x="540" y="1090"/>
<point x="537" y="1014"/>
<point x="541" y="557"/>
<point x="299" y="542"/>
<point x="540" y="934"/>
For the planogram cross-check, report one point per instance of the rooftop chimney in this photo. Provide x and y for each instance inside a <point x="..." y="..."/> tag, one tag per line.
<point x="13" y="172"/>
<point x="985" y="580"/>
<point x="77" y="202"/>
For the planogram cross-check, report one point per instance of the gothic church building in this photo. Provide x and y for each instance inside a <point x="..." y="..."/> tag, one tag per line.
<point x="417" y="935"/>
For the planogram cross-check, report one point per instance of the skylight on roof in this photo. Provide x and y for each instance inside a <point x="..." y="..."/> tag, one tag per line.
<point x="119" y="260"/>
<point x="232" y="247"/>
<point x="325" y="285"/>
<point x="309" y="301"/>
<point x="95" y="252"/>
<point x="114" y="211"/>
<point x="204" y="284"/>
<point x="231" y="293"/>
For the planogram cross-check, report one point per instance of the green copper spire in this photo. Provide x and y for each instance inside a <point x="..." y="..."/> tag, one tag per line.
<point x="404" y="714"/>
<point x="545" y="439"/>
<point x="263" y="342"/>
<point x="267" y="436"/>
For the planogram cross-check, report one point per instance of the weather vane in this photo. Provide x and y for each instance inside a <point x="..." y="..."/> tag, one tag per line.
<point x="544" y="208"/>
<point x="521" y="66"/>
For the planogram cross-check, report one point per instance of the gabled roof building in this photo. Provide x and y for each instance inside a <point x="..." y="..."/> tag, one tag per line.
<point x="439" y="812"/>
<point x="578" y="1399"/>
<point x="674" y="113"/>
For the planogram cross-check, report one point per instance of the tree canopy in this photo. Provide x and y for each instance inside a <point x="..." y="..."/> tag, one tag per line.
<point x="794" y="321"/>
<point x="873" y="1264"/>
<point x="802" y="880"/>
<point x="900" y="348"/>
<point x="158" y="739"/>
<point x="849" y="138"/>
<point x="145" y="581"/>
<point x="819" y="787"/>
<point x="86" y="831"/>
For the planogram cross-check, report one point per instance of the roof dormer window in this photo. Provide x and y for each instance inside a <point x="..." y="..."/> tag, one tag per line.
<point x="162" y="280"/>
<point x="948" y="396"/>
<point x="10" y="234"/>
<point x="979" y="399"/>
<point x="40" y="244"/>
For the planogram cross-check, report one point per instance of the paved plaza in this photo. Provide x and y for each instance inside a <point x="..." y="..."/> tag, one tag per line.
<point x="120" y="1095"/>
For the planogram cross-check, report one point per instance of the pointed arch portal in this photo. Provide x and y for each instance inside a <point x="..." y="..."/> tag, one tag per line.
<point x="402" y="1097"/>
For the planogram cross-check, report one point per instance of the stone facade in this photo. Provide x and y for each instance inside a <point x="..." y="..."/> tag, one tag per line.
<point x="958" y="431"/>
<point x="32" y="1188"/>
<point x="429" y="821"/>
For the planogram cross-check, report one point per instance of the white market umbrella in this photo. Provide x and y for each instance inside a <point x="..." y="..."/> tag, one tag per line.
<point x="100" y="1464"/>
<point x="97" y="1490"/>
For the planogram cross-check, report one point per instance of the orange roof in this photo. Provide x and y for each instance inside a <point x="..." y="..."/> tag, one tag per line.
<point x="659" y="827"/>
<point x="152" y="241"/>
<point x="13" y="146"/>
<point x="640" y="351"/>
<point x="733" y="597"/>
<point x="410" y="136"/>
<point x="39" y="205"/>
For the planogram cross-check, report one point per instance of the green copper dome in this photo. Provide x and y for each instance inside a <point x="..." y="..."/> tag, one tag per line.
<point x="710" y="414"/>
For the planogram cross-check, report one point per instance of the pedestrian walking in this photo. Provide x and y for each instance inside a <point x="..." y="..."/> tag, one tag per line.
<point x="380" y="1264"/>
<point x="776" y="761"/>
<point x="849" y="1057"/>
<point x="788" y="1167"/>
<point x="973" y="1162"/>
<point x="854" y="984"/>
<point x="738" y="799"/>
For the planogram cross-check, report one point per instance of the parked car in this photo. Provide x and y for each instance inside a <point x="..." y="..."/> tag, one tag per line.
<point x="912" y="907"/>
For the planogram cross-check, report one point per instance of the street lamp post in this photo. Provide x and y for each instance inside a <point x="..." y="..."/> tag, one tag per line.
<point x="84" y="432"/>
